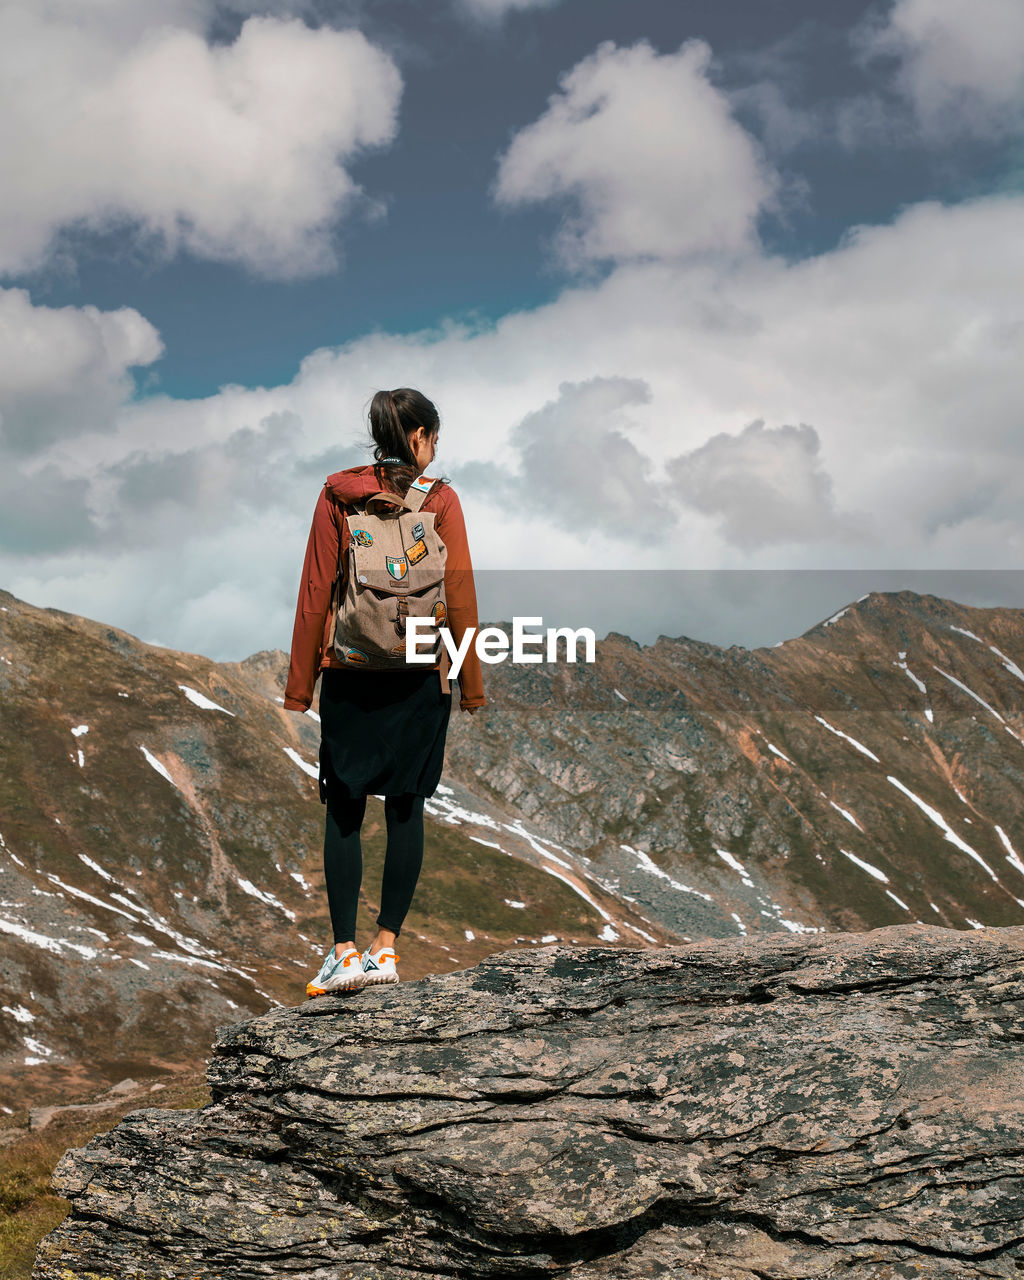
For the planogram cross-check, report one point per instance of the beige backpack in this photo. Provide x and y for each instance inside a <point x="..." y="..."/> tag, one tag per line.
<point x="395" y="570"/>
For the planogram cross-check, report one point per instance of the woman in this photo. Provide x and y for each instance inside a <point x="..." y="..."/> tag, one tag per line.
<point x="382" y="732"/>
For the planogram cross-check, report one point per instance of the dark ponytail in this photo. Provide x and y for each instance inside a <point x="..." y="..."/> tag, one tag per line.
<point x="393" y="415"/>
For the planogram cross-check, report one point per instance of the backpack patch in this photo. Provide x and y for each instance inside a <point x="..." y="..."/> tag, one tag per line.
<point x="422" y="482"/>
<point x="417" y="530"/>
<point x="363" y="537"/>
<point x="398" y="566"/>
<point x="439" y="612"/>
<point x="417" y="551"/>
<point x="355" y="655"/>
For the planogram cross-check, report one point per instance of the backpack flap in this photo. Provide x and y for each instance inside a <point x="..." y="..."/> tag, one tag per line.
<point x="395" y="571"/>
<point x="400" y="554"/>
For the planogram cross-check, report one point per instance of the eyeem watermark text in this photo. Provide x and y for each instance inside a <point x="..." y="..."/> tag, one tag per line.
<point x="492" y="644"/>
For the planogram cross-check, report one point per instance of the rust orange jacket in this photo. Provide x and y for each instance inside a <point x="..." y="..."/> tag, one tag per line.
<point x="327" y="550"/>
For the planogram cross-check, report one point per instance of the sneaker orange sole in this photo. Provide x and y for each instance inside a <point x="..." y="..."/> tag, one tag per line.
<point x="312" y="991"/>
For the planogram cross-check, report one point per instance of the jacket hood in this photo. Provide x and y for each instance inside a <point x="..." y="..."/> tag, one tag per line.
<point x="352" y="485"/>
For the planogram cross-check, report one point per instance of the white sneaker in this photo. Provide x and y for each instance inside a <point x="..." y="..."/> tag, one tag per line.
<point x="380" y="966"/>
<point x="343" y="974"/>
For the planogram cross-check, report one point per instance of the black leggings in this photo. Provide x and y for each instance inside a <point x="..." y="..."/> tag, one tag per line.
<point x="343" y="860"/>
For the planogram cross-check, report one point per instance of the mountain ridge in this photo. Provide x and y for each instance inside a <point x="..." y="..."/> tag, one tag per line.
<point x="664" y="793"/>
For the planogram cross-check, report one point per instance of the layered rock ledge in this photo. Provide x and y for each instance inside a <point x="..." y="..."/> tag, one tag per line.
<point x="775" y="1107"/>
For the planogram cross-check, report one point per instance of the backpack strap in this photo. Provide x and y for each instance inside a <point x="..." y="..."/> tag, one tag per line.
<point x="339" y="572"/>
<point x="415" y="496"/>
<point x="445" y="665"/>
<point x="417" y="492"/>
<point x="385" y="495"/>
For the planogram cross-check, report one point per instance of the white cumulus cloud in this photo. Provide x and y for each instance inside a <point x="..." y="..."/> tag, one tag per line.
<point x="65" y="369"/>
<point x="236" y="152"/>
<point x="685" y="410"/>
<point x="577" y="468"/>
<point x="764" y="485"/>
<point x="960" y="65"/>
<point x="885" y="373"/>
<point x="646" y="151"/>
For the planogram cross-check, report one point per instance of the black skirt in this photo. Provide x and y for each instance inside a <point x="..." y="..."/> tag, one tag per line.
<point x="382" y="732"/>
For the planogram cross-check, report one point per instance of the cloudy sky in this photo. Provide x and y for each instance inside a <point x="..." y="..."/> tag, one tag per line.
<point x="696" y="286"/>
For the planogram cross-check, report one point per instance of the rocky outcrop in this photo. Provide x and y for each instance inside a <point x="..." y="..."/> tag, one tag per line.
<point x="783" y="1106"/>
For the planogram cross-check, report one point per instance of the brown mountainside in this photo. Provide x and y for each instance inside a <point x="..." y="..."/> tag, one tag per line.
<point x="160" y="857"/>
<point x="870" y="772"/>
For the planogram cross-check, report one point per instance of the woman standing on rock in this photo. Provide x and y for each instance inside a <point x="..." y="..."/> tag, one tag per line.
<point x="382" y="730"/>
